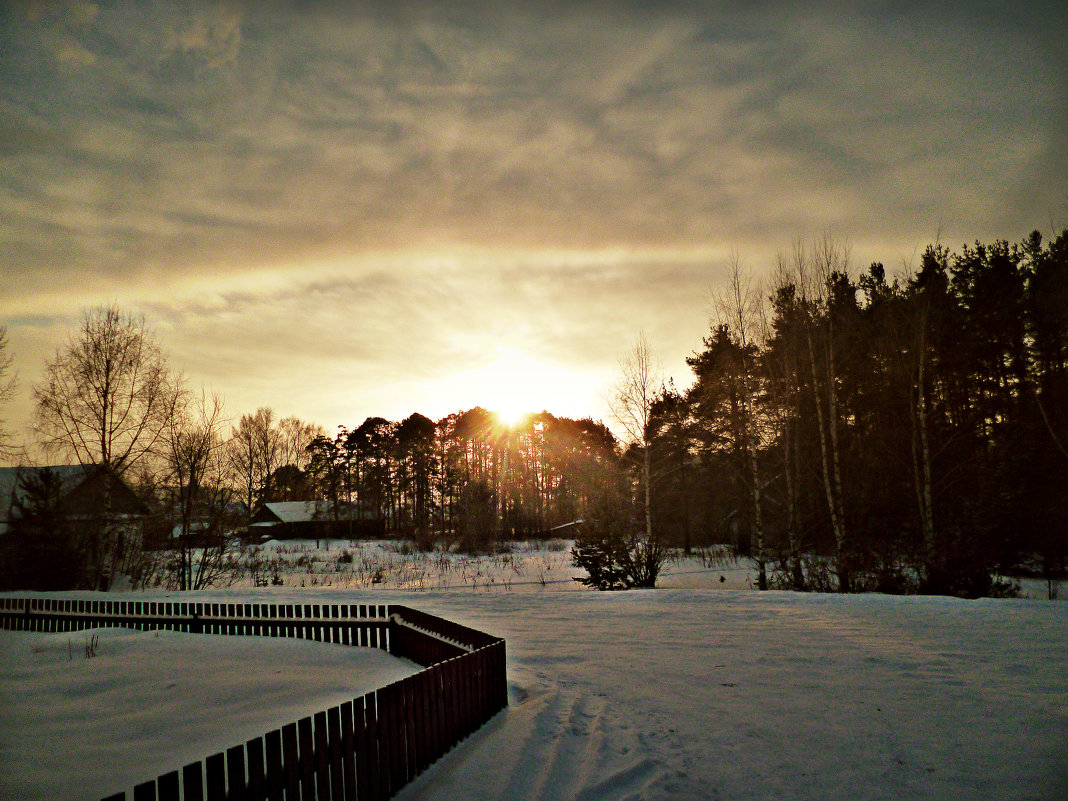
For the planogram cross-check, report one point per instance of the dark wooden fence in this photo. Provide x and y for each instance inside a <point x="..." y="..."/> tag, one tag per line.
<point x="367" y="748"/>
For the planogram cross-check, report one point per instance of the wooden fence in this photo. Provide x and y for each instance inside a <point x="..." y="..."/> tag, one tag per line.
<point x="367" y="748"/>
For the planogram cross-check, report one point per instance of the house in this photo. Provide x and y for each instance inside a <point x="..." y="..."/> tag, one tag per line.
<point x="55" y="513"/>
<point x="312" y="520"/>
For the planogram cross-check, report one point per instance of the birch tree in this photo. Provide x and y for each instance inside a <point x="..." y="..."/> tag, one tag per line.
<point x="106" y="400"/>
<point x="739" y="306"/>
<point x="814" y="272"/>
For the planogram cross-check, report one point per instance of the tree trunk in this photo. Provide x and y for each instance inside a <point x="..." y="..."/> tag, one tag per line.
<point x="828" y="482"/>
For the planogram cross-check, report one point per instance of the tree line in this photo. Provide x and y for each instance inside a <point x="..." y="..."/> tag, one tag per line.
<point x="850" y="433"/>
<point x="109" y="400"/>
<point x="867" y="433"/>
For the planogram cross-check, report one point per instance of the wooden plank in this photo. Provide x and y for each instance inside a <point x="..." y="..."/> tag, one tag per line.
<point x="256" y="771"/>
<point x="306" y="759"/>
<point x="322" y="757"/>
<point x="274" y="775"/>
<point x="333" y="722"/>
<point x="145" y="792"/>
<point x="348" y="752"/>
<point x="215" y="767"/>
<point x="193" y="782"/>
<point x="397" y="756"/>
<point x="373" y="736"/>
<point x="291" y="757"/>
<point x="235" y="773"/>
<point x="167" y="786"/>
<point x="413" y="719"/>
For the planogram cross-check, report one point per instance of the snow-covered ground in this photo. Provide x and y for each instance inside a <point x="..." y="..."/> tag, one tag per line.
<point x="520" y="567"/>
<point x="75" y="727"/>
<point x="696" y="692"/>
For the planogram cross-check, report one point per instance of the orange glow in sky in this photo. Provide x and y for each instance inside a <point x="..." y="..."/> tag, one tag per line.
<point x="515" y="383"/>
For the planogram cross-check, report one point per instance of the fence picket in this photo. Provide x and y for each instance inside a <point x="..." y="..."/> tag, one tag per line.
<point x="256" y="772"/>
<point x="361" y="749"/>
<point x="291" y="765"/>
<point x="333" y="721"/>
<point x="235" y="773"/>
<point x="321" y="762"/>
<point x="274" y="776"/>
<point x="306" y="757"/>
<point x="193" y="782"/>
<point x="167" y="786"/>
<point x="215" y="767"/>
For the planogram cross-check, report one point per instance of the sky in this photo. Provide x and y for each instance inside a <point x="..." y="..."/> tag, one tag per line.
<point x="341" y="210"/>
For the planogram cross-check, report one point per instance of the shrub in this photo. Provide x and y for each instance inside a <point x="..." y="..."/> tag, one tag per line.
<point x="614" y="552"/>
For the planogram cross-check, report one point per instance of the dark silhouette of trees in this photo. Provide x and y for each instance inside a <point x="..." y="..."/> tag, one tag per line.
<point x="8" y="386"/>
<point x="912" y="432"/>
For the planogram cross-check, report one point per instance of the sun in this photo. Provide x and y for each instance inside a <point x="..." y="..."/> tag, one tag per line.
<point x="515" y="384"/>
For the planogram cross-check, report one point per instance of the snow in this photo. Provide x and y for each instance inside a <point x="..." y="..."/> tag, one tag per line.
<point x="704" y="691"/>
<point x="149" y="702"/>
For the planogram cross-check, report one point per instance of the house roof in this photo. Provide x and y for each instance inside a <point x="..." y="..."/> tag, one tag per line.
<point x="70" y="476"/>
<point x="302" y="512"/>
<point x="298" y="511"/>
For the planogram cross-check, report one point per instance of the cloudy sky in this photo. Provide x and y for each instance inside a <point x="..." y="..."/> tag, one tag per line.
<point x="352" y="209"/>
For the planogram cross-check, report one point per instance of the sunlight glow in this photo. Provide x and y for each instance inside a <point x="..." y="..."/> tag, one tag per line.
<point x="515" y="384"/>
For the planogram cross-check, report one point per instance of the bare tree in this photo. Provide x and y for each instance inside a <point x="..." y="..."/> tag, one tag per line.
<point x="8" y="387"/>
<point x="739" y="306"/>
<point x="813" y="271"/>
<point x="254" y="454"/>
<point x="197" y="466"/>
<point x="295" y="436"/>
<point x="106" y="400"/>
<point x="631" y="403"/>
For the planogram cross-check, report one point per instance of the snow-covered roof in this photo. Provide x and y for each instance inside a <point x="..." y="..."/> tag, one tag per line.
<point x="301" y="511"/>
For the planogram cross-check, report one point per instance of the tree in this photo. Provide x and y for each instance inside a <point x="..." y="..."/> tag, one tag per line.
<point x="612" y="548"/>
<point x="740" y="310"/>
<point x="195" y="457"/>
<point x="44" y="551"/>
<point x="631" y="405"/>
<point x="254" y="455"/>
<point x="817" y="273"/>
<point x="106" y="399"/>
<point x="8" y="386"/>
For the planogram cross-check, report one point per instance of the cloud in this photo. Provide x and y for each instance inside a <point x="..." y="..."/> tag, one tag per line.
<point x="206" y="136"/>
<point x="385" y="186"/>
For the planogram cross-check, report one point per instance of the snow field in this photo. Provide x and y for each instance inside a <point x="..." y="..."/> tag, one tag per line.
<point x="684" y="693"/>
<point x="148" y="702"/>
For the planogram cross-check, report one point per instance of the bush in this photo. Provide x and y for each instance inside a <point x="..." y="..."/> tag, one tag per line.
<point x="614" y="552"/>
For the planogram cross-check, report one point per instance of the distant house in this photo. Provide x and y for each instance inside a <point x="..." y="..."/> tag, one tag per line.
<point x="309" y="520"/>
<point x="61" y="509"/>
<point x="82" y="489"/>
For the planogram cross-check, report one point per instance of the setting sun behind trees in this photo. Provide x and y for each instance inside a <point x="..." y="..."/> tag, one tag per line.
<point x="515" y="384"/>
